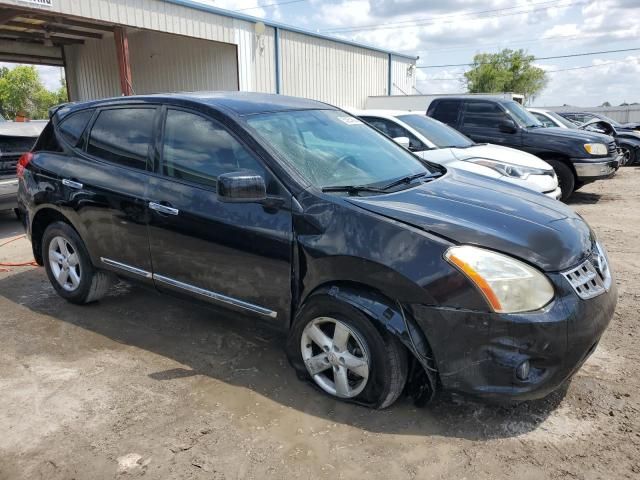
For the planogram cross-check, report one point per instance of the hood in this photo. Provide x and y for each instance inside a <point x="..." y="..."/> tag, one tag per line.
<point x="570" y="134"/>
<point x="501" y="154"/>
<point x="470" y="209"/>
<point x="22" y="129"/>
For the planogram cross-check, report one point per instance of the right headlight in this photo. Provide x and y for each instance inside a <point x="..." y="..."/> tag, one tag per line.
<point x="596" y="148"/>
<point x="508" y="285"/>
<point x="507" y="169"/>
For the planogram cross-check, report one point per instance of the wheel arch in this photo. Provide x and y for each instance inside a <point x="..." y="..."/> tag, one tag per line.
<point x="557" y="157"/>
<point x="44" y="217"/>
<point x="389" y="316"/>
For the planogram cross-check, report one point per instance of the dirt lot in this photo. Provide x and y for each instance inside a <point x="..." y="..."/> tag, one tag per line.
<point x="141" y="384"/>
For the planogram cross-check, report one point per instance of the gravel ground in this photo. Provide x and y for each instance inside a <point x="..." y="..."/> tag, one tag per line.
<point x="141" y="384"/>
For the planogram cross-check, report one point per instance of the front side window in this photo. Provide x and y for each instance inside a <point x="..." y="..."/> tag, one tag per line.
<point x="332" y="148"/>
<point x="198" y="149"/>
<point x="522" y="117"/>
<point x="393" y="130"/>
<point x="441" y="135"/>
<point x="483" y="115"/>
<point x="72" y="127"/>
<point x="123" y="136"/>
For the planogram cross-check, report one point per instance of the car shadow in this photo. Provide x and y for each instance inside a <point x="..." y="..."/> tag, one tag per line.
<point x="241" y="351"/>
<point x="584" y="198"/>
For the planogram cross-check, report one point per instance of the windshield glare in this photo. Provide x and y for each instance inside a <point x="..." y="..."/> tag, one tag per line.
<point x="332" y="148"/>
<point x="441" y="135"/>
<point x="520" y="115"/>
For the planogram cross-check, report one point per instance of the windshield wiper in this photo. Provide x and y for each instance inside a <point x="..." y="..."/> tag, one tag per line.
<point x="352" y="189"/>
<point x="408" y="179"/>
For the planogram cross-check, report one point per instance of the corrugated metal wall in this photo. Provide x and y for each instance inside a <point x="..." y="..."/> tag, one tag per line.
<point x="311" y="67"/>
<point x="403" y="77"/>
<point x="332" y="72"/>
<point x="159" y="63"/>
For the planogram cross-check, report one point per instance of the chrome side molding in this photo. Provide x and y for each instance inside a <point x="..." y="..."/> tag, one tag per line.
<point x="216" y="296"/>
<point x="126" y="268"/>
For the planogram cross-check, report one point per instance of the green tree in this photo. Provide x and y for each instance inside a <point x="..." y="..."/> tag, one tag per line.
<point x="21" y="90"/>
<point x="506" y="71"/>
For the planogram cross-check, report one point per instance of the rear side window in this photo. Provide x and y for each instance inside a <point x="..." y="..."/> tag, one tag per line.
<point x="543" y="119"/>
<point x="123" y="136"/>
<point x="393" y="130"/>
<point x="198" y="150"/>
<point x="72" y="127"/>
<point x="483" y="114"/>
<point x="446" y="111"/>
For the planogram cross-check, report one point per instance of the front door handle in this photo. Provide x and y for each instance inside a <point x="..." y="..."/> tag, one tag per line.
<point x="163" y="209"/>
<point x="72" y="184"/>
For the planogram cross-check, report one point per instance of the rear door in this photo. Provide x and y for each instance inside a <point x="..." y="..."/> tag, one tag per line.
<point x="232" y="254"/>
<point x="481" y="122"/>
<point x="106" y="185"/>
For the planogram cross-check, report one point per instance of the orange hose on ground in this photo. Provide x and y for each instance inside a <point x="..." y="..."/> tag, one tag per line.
<point x="31" y="263"/>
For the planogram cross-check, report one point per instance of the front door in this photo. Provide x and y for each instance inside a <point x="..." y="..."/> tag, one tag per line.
<point x="232" y="254"/>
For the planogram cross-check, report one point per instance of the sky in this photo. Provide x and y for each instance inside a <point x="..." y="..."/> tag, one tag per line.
<point x="444" y="32"/>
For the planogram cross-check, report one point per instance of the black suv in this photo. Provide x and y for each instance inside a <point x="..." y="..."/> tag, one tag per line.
<point x="388" y="274"/>
<point x="578" y="157"/>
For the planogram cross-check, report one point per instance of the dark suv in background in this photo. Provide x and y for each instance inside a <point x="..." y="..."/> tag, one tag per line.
<point x="578" y="157"/>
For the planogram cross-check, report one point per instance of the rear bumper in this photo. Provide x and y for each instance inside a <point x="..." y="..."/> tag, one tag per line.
<point x="8" y="193"/>
<point x="478" y="353"/>
<point x="588" y="170"/>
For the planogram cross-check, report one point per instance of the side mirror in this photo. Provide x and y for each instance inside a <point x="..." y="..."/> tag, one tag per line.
<point x="402" y="141"/>
<point x="243" y="186"/>
<point x="507" y="126"/>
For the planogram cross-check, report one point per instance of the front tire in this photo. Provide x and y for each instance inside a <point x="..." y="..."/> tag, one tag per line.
<point x="630" y="156"/>
<point x="69" y="266"/>
<point x="566" y="178"/>
<point x="339" y="349"/>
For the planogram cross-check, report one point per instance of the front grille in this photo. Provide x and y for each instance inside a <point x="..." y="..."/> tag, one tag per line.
<point x="8" y="163"/>
<point x="592" y="277"/>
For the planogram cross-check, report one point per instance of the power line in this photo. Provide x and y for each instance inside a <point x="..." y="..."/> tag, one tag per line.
<point x="266" y="5"/>
<point x="535" y="58"/>
<point x="495" y="13"/>
<point x="583" y="67"/>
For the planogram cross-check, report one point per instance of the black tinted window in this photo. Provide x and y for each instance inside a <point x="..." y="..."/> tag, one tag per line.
<point x="483" y="114"/>
<point x="123" y="136"/>
<point x="198" y="149"/>
<point x="446" y="111"/>
<point x="71" y="128"/>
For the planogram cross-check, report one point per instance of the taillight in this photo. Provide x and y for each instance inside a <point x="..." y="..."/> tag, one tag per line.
<point x="25" y="160"/>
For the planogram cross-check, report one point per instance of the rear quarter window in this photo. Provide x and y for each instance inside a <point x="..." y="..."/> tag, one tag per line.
<point x="72" y="127"/>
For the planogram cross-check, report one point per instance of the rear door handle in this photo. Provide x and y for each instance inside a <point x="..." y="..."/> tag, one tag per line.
<point x="72" y="184"/>
<point x="163" y="209"/>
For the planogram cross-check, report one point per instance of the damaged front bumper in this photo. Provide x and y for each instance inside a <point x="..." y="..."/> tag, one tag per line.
<point x="515" y="356"/>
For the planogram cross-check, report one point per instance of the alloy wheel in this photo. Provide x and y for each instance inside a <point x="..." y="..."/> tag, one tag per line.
<point x="336" y="357"/>
<point x="64" y="263"/>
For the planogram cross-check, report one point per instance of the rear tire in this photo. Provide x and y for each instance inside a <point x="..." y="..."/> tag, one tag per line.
<point x="69" y="266"/>
<point x="566" y="178"/>
<point x="315" y="345"/>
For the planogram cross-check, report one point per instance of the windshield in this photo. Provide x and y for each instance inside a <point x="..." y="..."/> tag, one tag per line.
<point x="332" y="148"/>
<point x="520" y="115"/>
<point x="441" y="135"/>
<point x="561" y="119"/>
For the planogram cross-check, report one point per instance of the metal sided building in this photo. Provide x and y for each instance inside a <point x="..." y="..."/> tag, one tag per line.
<point x="120" y="47"/>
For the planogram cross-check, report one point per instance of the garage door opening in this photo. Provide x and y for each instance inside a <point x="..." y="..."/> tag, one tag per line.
<point x="104" y="60"/>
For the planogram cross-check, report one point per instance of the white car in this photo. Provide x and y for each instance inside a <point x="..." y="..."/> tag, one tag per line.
<point x="436" y="142"/>
<point x="550" y="118"/>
